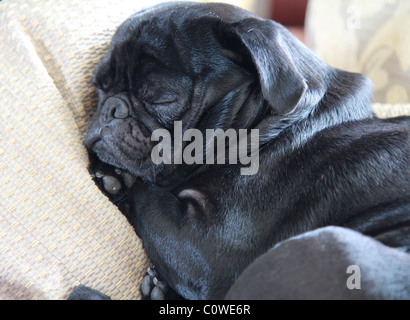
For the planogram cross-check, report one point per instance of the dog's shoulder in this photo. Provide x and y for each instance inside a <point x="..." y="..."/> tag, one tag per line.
<point x="356" y="166"/>
<point x="365" y="139"/>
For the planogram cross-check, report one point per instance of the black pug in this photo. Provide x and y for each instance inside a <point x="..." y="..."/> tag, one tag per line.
<point x="324" y="158"/>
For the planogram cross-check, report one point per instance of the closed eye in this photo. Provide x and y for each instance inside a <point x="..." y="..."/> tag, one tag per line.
<point x="163" y="102"/>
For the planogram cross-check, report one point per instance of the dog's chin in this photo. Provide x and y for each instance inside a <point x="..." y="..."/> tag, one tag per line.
<point x="140" y="167"/>
<point x="117" y="158"/>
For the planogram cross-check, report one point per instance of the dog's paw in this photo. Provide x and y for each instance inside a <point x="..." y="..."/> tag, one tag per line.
<point x="151" y="287"/>
<point x="113" y="182"/>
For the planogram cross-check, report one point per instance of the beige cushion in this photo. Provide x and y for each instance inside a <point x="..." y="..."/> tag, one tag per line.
<point x="365" y="36"/>
<point x="56" y="228"/>
<point x="391" y="110"/>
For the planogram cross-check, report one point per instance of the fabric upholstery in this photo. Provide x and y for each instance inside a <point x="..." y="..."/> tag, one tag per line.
<point x="365" y="36"/>
<point x="56" y="228"/>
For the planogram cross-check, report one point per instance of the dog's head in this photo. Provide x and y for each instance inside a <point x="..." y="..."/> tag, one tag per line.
<point x="207" y="65"/>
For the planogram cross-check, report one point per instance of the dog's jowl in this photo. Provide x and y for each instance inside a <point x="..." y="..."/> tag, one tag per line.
<point x="323" y="158"/>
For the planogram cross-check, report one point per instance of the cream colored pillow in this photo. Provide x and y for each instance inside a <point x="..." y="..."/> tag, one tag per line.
<point x="365" y="36"/>
<point x="383" y="110"/>
<point x="56" y="228"/>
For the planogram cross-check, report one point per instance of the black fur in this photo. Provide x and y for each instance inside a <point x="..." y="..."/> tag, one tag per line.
<point x="318" y="268"/>
<point x="325" y="159"/>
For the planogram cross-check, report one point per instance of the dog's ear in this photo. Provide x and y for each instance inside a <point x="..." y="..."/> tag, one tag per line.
<point x="290" y="75"/>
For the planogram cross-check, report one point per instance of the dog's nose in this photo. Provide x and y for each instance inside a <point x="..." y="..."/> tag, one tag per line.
<point x="115" y="108"/>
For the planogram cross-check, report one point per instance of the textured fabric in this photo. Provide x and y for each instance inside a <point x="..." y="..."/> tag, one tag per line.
<point x="57" y="230"/>
<point x="365" y="36"/>
<point x="391" y="110"/>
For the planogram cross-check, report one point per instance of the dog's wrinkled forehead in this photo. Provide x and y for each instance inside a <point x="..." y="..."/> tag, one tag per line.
<point x="181" y="12"/>
<point x="167" y="31"/>
<point x="211" y="40"/>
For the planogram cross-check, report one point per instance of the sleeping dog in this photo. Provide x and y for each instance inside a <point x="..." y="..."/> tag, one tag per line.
<point x="323" y="158"/>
